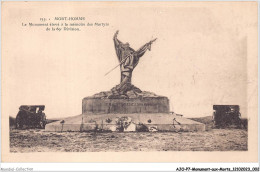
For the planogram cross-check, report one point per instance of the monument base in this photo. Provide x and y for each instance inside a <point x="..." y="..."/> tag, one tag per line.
<point x="126" y="123"/>
<point x="131" y="102"/>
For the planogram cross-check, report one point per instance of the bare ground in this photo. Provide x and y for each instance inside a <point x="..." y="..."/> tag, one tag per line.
<point x="213" y="140"/>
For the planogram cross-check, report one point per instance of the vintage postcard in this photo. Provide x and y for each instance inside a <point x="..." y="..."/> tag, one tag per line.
<point x="129" y="82"/>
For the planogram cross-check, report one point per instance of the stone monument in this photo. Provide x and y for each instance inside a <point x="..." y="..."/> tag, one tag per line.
<point x="126" y="107"/>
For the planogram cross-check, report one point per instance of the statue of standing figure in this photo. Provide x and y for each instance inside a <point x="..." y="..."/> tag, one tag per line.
<point x="128" y="60"/>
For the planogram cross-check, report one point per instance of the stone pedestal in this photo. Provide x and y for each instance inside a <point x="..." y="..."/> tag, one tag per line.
<point x="125" y="106"/>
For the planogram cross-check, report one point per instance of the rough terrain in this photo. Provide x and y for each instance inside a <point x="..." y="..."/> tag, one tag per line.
<point x="35" y="140"/>
<point x="130" y="92"/>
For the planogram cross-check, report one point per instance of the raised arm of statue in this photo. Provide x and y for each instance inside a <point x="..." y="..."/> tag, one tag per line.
<point x="116" y="41"/>
<point x="117" y="44"/>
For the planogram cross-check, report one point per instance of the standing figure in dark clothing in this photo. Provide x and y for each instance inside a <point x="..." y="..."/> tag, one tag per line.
<point x="128" y="59"/>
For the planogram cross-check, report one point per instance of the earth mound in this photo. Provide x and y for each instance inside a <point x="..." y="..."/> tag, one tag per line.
<point x="131" y="93"/>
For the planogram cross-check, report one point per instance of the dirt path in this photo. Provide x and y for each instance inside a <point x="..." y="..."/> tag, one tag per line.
<point x="214" y="140"/>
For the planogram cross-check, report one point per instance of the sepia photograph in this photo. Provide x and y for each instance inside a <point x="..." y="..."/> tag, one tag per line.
<point x="129" y="82"/>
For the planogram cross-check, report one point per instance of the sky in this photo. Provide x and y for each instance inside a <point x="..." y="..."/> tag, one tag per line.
<point x="199" y="59"/>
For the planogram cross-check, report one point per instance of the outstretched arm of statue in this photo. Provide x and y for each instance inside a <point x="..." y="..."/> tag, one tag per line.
<point x="140" y="52"/>
<point x="143" y="49"/>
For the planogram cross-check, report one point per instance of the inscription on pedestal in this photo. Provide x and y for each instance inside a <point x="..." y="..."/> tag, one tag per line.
<point x="147" y="105"/>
